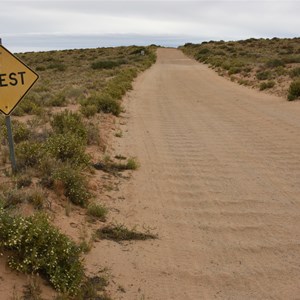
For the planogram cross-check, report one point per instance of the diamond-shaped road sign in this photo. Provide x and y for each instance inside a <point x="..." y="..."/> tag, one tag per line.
<point x="15" y="80"/>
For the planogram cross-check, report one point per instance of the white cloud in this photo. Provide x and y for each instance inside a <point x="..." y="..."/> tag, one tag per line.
<point x="191" y="19"/>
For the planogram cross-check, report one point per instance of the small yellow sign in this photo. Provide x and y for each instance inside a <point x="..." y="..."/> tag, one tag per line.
<point x="16" y="79"/>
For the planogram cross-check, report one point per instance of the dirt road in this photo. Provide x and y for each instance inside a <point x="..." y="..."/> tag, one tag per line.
<point x="220" y="183"/>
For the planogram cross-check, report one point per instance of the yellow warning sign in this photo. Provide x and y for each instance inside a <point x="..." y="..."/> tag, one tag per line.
<point x="15" y="80"/>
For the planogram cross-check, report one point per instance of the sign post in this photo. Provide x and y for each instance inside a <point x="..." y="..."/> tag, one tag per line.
<point x="15" y="81"/>
<point x="11" y="144"/>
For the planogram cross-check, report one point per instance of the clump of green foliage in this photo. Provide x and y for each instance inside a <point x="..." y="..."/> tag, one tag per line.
<point x="36" y="246"/>
<point x="29" y="154"/>
<point x="67" y="148"/>
<point x="266" y="85"/>
<point x="97" y="211"/>
<point x="119" y="232"/>
<point x="75" y="185"/>
<point x="294" y="90"/>
<point x="263" y="75"/>
<point x="68" y="122"/>
<point x="295" y="72"/>
<point x="103" y="103"/>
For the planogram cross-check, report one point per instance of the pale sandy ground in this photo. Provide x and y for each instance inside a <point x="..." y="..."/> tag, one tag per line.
<point x="220" y="183"/>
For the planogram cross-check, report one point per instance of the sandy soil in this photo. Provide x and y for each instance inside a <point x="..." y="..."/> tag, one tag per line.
<point x="219" y="182"/>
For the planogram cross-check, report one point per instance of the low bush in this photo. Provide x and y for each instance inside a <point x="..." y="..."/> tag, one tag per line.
<point x="75" y="185"/>
<point x="36" y="197"/>
<point x="67" y="147"/>
<point x="204" y="51"/>
<point x="88" y="110"/>
<point x="234" y="70"/>
<point x="97" y="211"/>
<point x="266" y="85"/>
<point x="20" y="131"/>
<point x="12" y="198"/>
<point x="28" y="106"/>
<point x="57" y="100"/>
<point x="105" y="103"/>
<point x="93" y="136"/>
<point x="36" y="246"/>
<point x="274" y="63"/>
<point x="29" y="154"/>
<point x="263" y="75"/>
<point x="295" y="72"/>
<point x="294" y="90"/>
<point x="68" y="122"/>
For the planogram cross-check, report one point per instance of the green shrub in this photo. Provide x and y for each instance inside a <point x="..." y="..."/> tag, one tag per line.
<point x="28" y="106"/>
<point x="20" y="131"/>
<point x="69" y="122"/>
<point x="295" y="72"/>
<point x="88" y="110"/>
<point x="29" y="154"/>
<point x="37" y="247"/>
<point x="97" y="211"/>
<point x="120" y="84"/>
<point x="263" y="75"/>
<point x="106" y="104"/>
<point x="12" y="197"/>
<point x="74" y="184"/>
<point x="57" y="100"/>
<point x="132" y="164"/>
<point x="93" y="137"/>
<point x="266" y="85"/>
<point x="36" y="197"/>
<point x="204" y="51"/>
<point x="234" y="70"/>
<point x="67" y="148"/>
<point x="274" y="63"/>
<point x="294" y="90"/>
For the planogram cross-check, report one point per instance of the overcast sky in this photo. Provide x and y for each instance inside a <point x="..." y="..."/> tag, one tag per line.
<point x="45" y="25"/>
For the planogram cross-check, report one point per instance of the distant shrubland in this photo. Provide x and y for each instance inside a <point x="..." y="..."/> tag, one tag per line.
<point x="266" y="64"/>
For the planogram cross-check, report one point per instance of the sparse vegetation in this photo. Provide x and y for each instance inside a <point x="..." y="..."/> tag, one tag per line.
<point x="52" y="146"/>
<point x="272" y="61"/>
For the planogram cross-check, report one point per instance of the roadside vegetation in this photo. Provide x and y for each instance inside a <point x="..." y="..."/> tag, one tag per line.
<point x="55" y="129"/>
<point x="266" y="64"/>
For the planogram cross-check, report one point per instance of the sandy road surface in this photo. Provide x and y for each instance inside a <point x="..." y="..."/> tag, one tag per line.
<point x="219" y="181"/>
